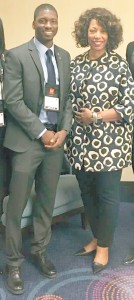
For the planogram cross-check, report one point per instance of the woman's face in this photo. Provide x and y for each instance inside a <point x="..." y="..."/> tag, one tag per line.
<point x="97" y="37"/>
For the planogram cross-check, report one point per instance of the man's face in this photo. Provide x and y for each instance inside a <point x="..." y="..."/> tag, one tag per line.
<point x="46" y="26"/>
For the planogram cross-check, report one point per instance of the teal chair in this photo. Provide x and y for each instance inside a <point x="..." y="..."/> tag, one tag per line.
<point x="68" y="202"/>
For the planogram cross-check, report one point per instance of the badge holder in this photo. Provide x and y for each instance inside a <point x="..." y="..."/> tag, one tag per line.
<point x="51" y="99"/>
<point x="2" y="117"/>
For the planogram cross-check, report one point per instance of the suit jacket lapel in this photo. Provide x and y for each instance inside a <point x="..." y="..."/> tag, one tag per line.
<point x="61" y="73"/>
<point x="60" y="69"/>
<point x="34" y="54"/>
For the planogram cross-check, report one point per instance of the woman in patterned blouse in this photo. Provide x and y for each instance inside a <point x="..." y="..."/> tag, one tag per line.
<point x="100" y="142"/>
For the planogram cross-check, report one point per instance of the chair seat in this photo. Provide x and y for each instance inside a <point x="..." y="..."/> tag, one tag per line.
<point x="68" y="198"/>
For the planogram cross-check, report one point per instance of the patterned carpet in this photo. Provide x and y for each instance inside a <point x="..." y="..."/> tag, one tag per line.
<point x="112" y="284"/>
<point x="75" y="280"/>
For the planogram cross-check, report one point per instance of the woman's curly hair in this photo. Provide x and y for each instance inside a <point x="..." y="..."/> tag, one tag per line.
<point x="110" y="23"/>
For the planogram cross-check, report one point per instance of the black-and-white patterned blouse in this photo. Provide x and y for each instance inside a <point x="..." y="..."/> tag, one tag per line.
<point x="100" y="85"/>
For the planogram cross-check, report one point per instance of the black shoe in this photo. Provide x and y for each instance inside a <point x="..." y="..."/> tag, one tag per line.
<point x="45" y="265"/>
<point x="129" y="259"/>
<point x="97" y="267"/>
<point x="83" y="252"/>
<point x="13" y="280"/>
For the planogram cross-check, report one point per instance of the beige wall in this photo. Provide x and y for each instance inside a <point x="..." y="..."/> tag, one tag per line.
<point x="17" y="16"/>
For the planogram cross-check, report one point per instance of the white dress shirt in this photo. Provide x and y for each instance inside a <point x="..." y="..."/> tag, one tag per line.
<point x="42" y="54"/>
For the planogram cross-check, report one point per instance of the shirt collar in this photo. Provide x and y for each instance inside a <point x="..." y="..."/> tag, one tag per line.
<point x="41" y="48"/>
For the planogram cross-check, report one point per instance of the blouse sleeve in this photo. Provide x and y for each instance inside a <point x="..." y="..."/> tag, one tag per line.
<point x="125" y="105"/>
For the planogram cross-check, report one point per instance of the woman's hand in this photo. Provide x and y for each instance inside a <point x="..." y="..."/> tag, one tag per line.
<point x="84" y="116"/>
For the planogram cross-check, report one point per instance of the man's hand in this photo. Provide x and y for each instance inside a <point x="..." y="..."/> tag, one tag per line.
<point x="84" y="116"/>
<point x="47" y="136"/>
<point x="57" y="140"/>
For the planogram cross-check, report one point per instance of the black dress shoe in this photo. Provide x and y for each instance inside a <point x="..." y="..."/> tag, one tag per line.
<point x="44" y="264"/>
<point x="14" y="282"/>
<point x="129" y="259"/>
<point x="97" y="267"/>
<point x="83" y="252"/>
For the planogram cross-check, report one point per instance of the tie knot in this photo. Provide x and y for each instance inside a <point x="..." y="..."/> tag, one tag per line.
<point x="49" y="54"/>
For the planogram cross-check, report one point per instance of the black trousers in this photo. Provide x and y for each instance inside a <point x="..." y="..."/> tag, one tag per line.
<point x="100" y="193"/>
<point x="43" y="166"/>
<point x="133" y="154"/>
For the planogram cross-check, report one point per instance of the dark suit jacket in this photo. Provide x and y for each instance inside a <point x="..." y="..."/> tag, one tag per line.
<point x="130" y="59"/>
<point x="24" y="94"/>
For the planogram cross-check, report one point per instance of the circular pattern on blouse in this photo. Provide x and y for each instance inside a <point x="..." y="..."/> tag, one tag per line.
<point x="100" y="85"/>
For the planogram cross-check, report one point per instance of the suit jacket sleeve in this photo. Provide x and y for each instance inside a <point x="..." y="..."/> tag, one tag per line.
<point x="14" y="97"/>
<point x="130" y="57"/>
<point x="65" y="114"/>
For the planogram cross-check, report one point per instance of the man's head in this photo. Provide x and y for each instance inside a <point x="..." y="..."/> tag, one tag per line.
<point x="45" y="23"/>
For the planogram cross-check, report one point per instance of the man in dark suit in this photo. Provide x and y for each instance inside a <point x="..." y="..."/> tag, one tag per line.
<point x="35" y="141"/>
<point x="4" y="153"/>
<point x="130" y="56"/>
<point x="129" y="259"/>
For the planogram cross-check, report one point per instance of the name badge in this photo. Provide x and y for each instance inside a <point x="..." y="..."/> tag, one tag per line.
<point x="51" y="99"/>
<point x="2" y="121"/>
<point x="2" y="118"/>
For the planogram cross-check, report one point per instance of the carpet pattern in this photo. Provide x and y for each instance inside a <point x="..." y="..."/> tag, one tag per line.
<point x="115" y="284"/>
<point x="75" y="280"/>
